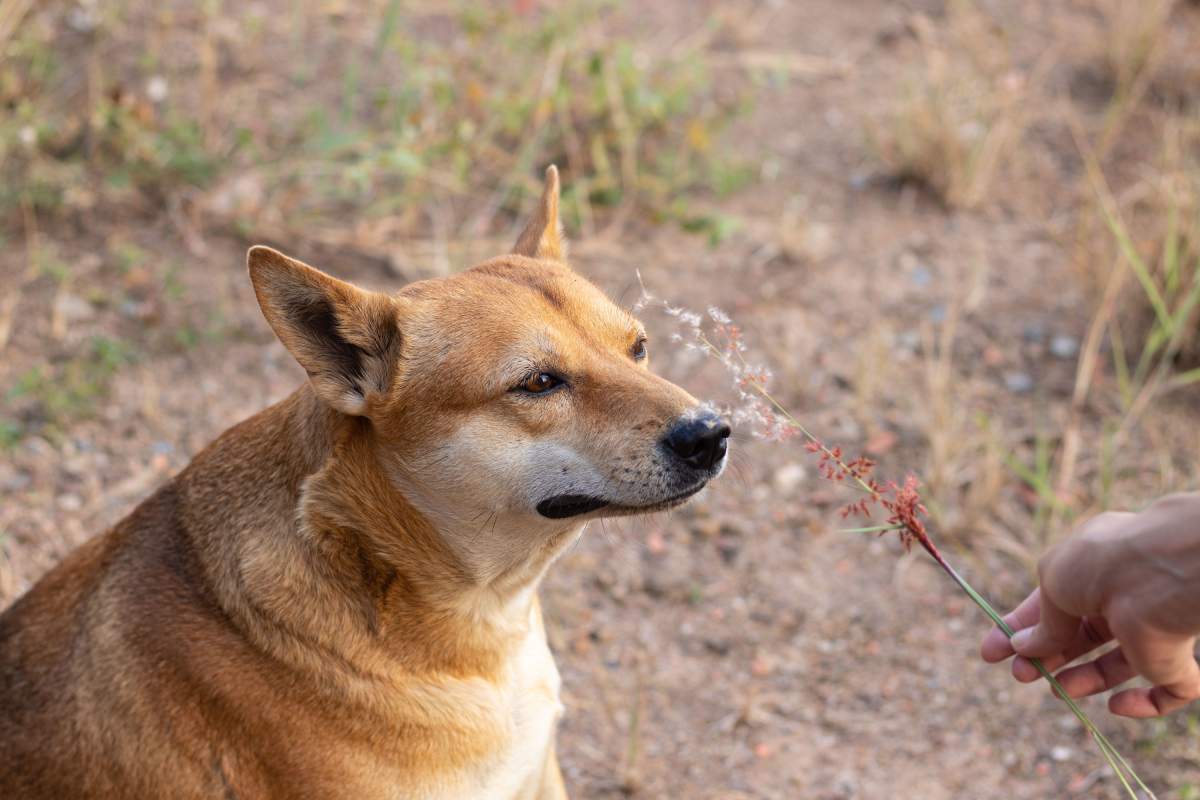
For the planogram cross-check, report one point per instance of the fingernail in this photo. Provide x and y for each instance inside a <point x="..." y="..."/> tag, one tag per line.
<point x="1021" y="638"/>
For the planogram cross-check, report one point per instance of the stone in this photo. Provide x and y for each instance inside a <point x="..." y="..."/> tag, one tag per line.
<point x="1064" y="347"/>
<point x="1018" y="382"/>
<point x="789" y="477"/>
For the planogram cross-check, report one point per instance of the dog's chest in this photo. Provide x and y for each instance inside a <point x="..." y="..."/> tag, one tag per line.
<point x="530" y="706"/>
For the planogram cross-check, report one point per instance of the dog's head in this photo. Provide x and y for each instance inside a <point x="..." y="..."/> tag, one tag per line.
<point x="512" y="395"/>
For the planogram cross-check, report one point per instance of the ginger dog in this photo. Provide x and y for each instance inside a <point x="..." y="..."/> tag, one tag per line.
<point x="338" y="597"/>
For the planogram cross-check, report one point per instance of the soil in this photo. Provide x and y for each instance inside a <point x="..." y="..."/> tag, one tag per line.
<point x="740" y="647"/>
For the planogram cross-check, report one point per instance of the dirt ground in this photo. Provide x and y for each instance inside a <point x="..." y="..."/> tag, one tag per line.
<point x="740" y="647"/>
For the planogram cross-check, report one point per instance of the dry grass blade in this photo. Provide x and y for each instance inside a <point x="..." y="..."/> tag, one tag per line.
<point x="791" y="64"/>
<point x="962" y="116"/>
<point x="1131" y="51"/>
<point x="12" y="13"/>
<point x="1169" y="285"/>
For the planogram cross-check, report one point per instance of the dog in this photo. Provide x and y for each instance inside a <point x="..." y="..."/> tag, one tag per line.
<point x="337" y="598"/>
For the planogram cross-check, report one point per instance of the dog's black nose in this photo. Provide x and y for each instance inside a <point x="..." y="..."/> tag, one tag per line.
<point x="701" y="441"/>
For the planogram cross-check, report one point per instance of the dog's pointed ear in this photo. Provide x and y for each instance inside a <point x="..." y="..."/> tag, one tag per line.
<point x="542" y="237"/>
<point x="347" y="339"/>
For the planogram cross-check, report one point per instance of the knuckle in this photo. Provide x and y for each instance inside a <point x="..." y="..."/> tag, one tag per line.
<point x="1046" y="562"/>
<point x="1173" y="510"/>
<point x="1052" y="564"/>
<point x="1177" y="501"/>
<point x="1103" y="525"/>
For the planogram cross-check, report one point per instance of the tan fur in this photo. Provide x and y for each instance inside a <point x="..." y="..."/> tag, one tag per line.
<point x="337" y="598"/>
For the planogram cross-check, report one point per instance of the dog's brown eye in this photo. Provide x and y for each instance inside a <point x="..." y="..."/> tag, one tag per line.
<point x="639" y="350"/>
<point x="540" y="383"/>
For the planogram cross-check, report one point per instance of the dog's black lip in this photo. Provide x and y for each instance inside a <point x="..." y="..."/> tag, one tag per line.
<point x="562" y="506"/>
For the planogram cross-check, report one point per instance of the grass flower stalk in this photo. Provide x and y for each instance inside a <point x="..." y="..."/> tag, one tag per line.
<point x="718" y="338"/>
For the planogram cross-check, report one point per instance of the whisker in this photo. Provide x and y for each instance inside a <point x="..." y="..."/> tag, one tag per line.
<point x="740" y="472"/>
<point x="605" y="532"/>
<point x="492" y="517"/>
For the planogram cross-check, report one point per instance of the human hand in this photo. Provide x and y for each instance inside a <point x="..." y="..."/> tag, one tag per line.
<point x="1134" y="578"/>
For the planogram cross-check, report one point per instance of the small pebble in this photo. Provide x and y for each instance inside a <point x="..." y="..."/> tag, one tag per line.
<point x="655" y="543"/>
<point x="1064" y="346"/>
<point x="81" y="19"/>
<point x="39" y="447"/>
<point x="788" y="477"/>
<point x="921" y="276"/>
<point x="14" y="481"/>
<point x="1018" y="382"/>
<point x="1034" y="333"/>
<point x="1061" y="753"/>
<point x="157" y="89"/>
<point x="881" y="443"/>
<point x="73" y="308"/>
<point x="908" y="340"/>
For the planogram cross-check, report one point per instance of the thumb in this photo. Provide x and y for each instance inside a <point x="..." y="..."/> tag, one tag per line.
<point x="1054" y="632"/>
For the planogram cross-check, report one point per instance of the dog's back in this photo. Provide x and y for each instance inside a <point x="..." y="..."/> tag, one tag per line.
<point x="123" y="673"/>
<point x="120" y="673"/>
<point x="92" y="663"/>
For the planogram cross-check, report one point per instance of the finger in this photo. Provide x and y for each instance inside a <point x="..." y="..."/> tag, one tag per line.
<point x="1109" y="670"/>
<point x="996" y="645"/>
<point x="1167" y="701"/>
<point x="1165" y="660"/>
<point x="1134" y="703"/>
<point x="1093" y="632"/>
<point x="1053" y="634"/>
<point x="1144" y="703"/>
<point x="1024" y="670"/>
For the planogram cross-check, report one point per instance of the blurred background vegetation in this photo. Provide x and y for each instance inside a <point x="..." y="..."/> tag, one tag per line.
<point x="965" y="235"/>
<point x="411" y="116"/>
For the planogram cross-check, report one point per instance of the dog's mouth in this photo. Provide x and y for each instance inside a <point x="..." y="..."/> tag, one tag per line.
<point x="563" y="506"/>
<point x="569" y="505"/>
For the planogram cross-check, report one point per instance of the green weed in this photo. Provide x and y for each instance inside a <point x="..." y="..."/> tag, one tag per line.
<point x="53" y="395"/>
<point x="10" y="434"/>
<point x="1150" y="296"/>
<point x="625" y="127"/>
<point x="454" y="123"/>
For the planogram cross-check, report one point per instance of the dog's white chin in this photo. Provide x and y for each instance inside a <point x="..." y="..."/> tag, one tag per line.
<point x="662" y="505"/>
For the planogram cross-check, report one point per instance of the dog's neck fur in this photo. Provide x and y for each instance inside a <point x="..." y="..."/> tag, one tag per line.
<point x="329" y="564"/>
